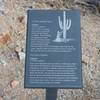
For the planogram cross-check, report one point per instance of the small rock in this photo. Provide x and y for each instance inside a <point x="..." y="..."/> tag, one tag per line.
<point x="14" y="83"/>
<point x="3" y="62"/>
<point x="21" y="55"/>
<point x="18" y="49"/>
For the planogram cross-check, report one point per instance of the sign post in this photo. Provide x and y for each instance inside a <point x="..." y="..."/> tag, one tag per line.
<point x="51" y="94"/>
<point x="53" y="51"/>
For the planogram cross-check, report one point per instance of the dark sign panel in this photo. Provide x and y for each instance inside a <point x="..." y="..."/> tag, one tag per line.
<point x="53" y="50"/>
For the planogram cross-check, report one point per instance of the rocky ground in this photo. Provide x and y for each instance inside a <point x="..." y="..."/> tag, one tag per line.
<point x="13" y="19"/>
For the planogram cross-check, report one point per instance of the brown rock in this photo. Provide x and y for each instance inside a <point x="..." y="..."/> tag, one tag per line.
<point x="5" y="38"/>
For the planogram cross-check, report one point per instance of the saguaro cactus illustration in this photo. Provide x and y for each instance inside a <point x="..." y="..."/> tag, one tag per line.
<point x="64" y="25"/>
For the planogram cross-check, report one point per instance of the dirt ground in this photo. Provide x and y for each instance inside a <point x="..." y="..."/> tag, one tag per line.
<point x="13" y="19"/>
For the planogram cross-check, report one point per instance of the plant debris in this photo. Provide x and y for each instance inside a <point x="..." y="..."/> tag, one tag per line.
<point x="20" y="19"/>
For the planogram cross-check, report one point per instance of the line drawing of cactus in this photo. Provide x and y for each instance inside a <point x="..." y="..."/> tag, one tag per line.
<point x="64" y="25"/>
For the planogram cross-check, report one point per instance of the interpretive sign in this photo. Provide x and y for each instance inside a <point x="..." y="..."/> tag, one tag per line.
<point x="53" y="49"/>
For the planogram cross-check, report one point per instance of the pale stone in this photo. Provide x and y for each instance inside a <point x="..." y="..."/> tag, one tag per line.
<point x="18" y="49"/>
<point x="14" y="83"/>
<point x="21" y="55"/>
